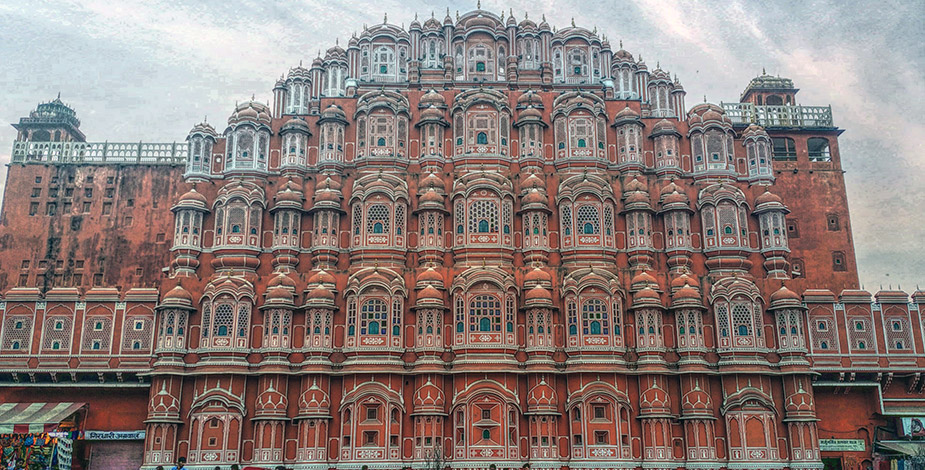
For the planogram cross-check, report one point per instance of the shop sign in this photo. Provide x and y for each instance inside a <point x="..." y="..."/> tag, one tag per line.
<point x="114" y="435"/>
<point x="842" y="445"/>
<point x="913" y="427"/>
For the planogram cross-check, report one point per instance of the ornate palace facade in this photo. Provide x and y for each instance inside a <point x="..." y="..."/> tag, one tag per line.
<point x="477" y="237"/>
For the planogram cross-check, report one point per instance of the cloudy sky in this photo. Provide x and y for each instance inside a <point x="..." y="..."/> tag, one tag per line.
<point x="149" y="70"/>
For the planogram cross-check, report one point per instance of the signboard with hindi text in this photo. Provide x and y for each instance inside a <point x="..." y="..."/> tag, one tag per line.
<point x="114" y="435"/>
<point x="842" y="445"/>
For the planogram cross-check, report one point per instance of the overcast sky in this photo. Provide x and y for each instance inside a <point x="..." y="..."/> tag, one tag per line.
<point x="149" y="70"/>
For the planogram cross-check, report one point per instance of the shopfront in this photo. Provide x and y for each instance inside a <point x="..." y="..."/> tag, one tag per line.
<point x="37" y="435"/>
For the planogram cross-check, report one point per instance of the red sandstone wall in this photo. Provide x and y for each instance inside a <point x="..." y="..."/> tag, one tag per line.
<point x="129" y="246"/>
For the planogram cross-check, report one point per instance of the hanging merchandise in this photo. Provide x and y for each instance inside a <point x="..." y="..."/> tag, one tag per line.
<point x="65" y="448"/>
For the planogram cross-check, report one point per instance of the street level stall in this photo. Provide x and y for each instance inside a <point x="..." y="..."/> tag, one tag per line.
<point x="34" y="435"/>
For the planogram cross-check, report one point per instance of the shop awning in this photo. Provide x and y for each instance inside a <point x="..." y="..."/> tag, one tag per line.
<point x="25" y="418"/>
<point x="910" y="448"/>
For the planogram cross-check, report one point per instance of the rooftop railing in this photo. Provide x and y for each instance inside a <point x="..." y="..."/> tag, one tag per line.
<point x="101" y="153"/>
<point x="779" y="116"/>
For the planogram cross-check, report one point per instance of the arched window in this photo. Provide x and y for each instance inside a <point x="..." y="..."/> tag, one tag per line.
<point x="481" y="62"/>
<point x="594" y="317"/>
<point x="818" y="149"/>
<point x="482" y="138"/>
<point x="373" y="317"/>
<point x="783" y="148"/>
<point x="485" y="313"/>
<point x="377" y="218"/>
<point x="383" y="62"/>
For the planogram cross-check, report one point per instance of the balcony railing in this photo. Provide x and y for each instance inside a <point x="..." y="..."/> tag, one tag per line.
<point x="779" y="116"/>
<point x="101" y="153"/>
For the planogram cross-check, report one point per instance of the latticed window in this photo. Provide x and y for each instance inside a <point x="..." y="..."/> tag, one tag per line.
<point x="97" y="336"/>
<point x="566" y="220"/>
<point x="898" y="334"/>
<point x="171" y="331"/>
<point x="276" y="328"/>
<point x="482" y="132"/>
<point x="17" y="333"/>
<point x="860" y="334"/>
<point x="374" y="318"/>
<point x="790" y="329"/>
<point x="137" y="333"/>
<point x="399" y="219"/>
<point x="690" y="328"/>
<point x="824" y="332"/>
<point x="594" y="318"/>
<point x="483" y="216"/>
<point x="589" y="221"/>
<point x="485" y="314"/>
<point x="581" y="137"/>
<point x="224" y="320"/>
<point x="57" y="333"/>
<point x="649" y="324"/>
<point x="383" y="62"/>
<point x="377" y="219"/>
<point x="319" y="328"/>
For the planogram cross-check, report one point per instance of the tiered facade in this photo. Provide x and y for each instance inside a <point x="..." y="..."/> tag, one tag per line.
<point x="478" y="238"/>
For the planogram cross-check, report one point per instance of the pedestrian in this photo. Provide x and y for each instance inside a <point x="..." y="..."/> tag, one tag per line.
<point x="181" y="464"/>
<point x="159" y="467"/>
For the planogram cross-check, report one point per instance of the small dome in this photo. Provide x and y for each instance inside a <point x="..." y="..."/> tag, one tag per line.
<point x="281" y="280"/>
<point x="432" y="113"/>
<point x="685" y="279"/>
<point x="314" y="402"/>
<point x="428" y="399"/>
<point x="431" y="181"/>
<point x="432" y="98"/>
<point x="768" y="198"/>
<point x="785" y="298"/>
<point x="193" y="199"/>
<point x="627" y="115"/>
<point x="754" y="131"/>
<point x="290" y="193"/>
<point x="686" y="296"/>
<point x="542" y="398"/>
<point x="673" y="197"/>
<point x="623" y="56"/>
<point x="334" y="113"/>
<point x="533" y="181"/>
<point x="531" y="113"/>
<point x="295" y="124"/>
<point x="321" y="277"/>
<point x="538" y="297"/>
<point x="430" y="294"/>
<point x="178" y="297"/>
<point x="635" y="185"/>
<point x="643" y="279"/>
<point x="537" y="277"/>
<point x="800" y="402"/>
<point x="320" y="297"/>
<point x="529" y="98"/>
<point x="430" y="276"/>
<point x="432" y="197"/>
<point x="279" y="296"/>
<point x="271" y="402"/>
<point x="534" y="197"/>
<point x="697" y="400"/>
<point x="664" y="127"/>
<point x="321" y="293"/>
<point x="203" y="128"/>
<point x="646" y="297"/>
<point x="250" y="111"/>
<point x="654" y="401"/>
